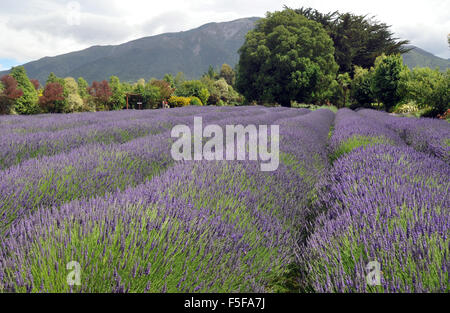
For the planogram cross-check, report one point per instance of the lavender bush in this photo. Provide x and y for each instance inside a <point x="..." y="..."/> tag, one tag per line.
<point x="352" y="130"/>
<point x="101" y="189"/>
<point x="426" y="135"/>
<point x="386" y="204"/>
<point x="174" y="232"/>
<point x="87" y="171"/>
<point x="383" y="202"/>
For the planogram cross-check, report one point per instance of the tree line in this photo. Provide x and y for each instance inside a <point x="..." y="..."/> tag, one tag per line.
<point x="21" y="95"/>
<point x="291" y="56"/>
<point x="344" y="59"/>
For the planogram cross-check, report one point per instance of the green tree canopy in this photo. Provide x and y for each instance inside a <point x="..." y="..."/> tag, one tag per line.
<point x="211" y="73"/>
<point x="179" y="79"/>
<point x="343" y="82"/>
<point x="73" y="101"/>
<point x="70" y="86"/>
<point x="227" y="73"/>
<point x="428" y="88"/>
<point x="286" y="57"/>
<point x="165" y="89"/>
<point x="118" y="98"/>
<point x="361" y="87"/>
<point x="28" y="102"/>
<point x="52" y="78"/>
<point x="83" y="87"/>
<point x="169" y="79"/>
<point x="150" y="94"/>
<point x="193" y="88"/>
<point x="386" y="79"/>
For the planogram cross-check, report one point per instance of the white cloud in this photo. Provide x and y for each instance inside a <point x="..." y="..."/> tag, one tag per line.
<point x="31" y="29"/>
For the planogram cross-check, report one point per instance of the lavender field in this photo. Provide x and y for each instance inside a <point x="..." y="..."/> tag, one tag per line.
<point x="101" y="189"/>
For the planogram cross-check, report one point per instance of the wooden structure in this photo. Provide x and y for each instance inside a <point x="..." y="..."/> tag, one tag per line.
<point x="134" y="98"/>
<point x="135" y="101"/>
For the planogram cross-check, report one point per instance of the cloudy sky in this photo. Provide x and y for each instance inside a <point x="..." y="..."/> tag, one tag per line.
<point x="32" y="29"/>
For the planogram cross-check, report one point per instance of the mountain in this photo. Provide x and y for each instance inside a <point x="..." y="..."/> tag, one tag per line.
<point x="190" y="52"/>
<point x="420" y="58"/>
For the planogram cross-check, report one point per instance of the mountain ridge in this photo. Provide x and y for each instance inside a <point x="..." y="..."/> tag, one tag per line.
<point x="190" y="52"/>
<point x="418" y="57"/>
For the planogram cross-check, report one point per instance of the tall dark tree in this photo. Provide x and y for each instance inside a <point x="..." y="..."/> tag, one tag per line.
<point x="358" y="39"/>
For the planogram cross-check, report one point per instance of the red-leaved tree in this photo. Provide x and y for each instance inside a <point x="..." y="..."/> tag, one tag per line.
<point x="101" y="93"/>
<point x="35" y="83"/>
<point x="52" y="97"/>
<point x="165" y="90"/>
<point x="9" y="93"/>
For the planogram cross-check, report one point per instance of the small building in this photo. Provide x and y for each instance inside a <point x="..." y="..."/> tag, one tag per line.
<point x="134" y="101"/>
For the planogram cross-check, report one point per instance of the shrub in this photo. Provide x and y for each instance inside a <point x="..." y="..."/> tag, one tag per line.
<point x="204" y="95"/>
<point x="177" y="102"/>
<point x="361" y="88"/>
<point x="213" y="99"/>
<point x="428" y="88"/>
<point x="195" y="101"/>
<point x="403" y="108"/>
<point x="193" y="88"/>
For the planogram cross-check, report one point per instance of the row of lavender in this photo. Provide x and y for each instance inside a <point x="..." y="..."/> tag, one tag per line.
<point x="39" y="138"/>
<point x="55" y="122"/>
<point x="199" y="226"/>
<point x="95" y="169"/>
<point x="98" y="168"/>
<point x="385" y="203"/>
<point x="425" y="134"/>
